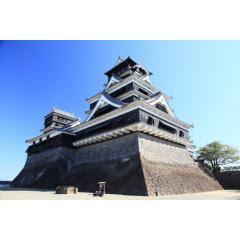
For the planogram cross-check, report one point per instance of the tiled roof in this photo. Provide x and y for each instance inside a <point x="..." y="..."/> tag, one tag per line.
<point x="57" y="110"/>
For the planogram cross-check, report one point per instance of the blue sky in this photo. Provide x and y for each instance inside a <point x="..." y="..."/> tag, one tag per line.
<point x="202" y="76"/>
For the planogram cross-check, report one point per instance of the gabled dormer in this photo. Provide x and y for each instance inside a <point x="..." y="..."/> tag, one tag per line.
<point x="104" y="101"/>
<point x="160" y="101"/>
<point x="113" y="80"/>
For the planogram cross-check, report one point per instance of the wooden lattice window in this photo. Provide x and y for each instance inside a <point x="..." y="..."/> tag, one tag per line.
<point x="161" y="107"/>
<point x="181" y="134"/>
<point x="150" y="121"/>
<point x="142" y="91"/>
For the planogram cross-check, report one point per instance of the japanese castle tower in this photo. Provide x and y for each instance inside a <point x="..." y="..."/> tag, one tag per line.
<point x="131" y="139"/>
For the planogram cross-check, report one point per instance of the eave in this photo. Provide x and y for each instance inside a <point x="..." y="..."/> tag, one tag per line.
<point x="137" y="127"/>
<point x="121" y="84"/>
<point x="54" y="133"/>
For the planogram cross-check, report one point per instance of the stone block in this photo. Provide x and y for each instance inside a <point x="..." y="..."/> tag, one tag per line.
<point x="66" y="190"/>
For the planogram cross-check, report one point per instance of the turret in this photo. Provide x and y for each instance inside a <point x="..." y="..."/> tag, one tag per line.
<point x="58" y="118"/>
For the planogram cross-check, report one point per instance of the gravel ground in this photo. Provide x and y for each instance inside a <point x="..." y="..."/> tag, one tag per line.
<point x="36" y="194"/>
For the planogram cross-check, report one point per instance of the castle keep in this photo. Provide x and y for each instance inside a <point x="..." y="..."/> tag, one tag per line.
<point x="131" y="139"/>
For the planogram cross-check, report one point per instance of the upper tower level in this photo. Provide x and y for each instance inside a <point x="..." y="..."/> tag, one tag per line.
<point x="127" y="82"/>
<point x="128" y="67"/>
<point x="125" y="76"/>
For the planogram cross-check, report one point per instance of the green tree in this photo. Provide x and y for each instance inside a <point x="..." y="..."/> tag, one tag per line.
<point x="216" y="154"/>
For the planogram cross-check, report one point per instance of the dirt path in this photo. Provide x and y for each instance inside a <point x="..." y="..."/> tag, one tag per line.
<point x="26" y="194"/>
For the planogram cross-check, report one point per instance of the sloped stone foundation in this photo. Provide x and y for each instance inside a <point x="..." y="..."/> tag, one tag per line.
<point x="45" y="169"/>
<point x="134" y="164"/>
<point x="164" y="179"/>
<point x="122" y="178"/>
<point x="169" y="169"/>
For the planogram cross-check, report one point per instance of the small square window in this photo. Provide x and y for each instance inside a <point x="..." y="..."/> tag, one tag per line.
<point x="150" y="121"/>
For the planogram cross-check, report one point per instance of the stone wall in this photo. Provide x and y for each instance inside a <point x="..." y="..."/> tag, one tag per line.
<point x="229" y="179"/>
<point x="45" y="169"/>
<point x="50" y="155"/>
<point x="134" y="164"/>
<point x="120" y="149"/>
<point x="115" y="161"/>
<point x="162" y="151"/>
<point x="169" y="169"/>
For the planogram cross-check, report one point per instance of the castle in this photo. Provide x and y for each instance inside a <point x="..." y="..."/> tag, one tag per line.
<point x="131" y="139"/>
